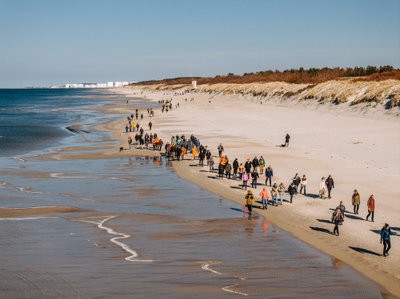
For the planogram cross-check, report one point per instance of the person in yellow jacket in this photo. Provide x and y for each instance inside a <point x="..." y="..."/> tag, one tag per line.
<point x="249" y="197"/>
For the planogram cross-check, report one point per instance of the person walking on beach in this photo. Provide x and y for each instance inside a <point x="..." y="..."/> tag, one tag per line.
<point x="337" y="219"/>
<point x="287" y="138"/>
<point x="292" y="191"/>
<point x="245" y="178"/>
<point x="261" y="162"/>
<point x="269" y="173"/>
<point x="274" y="195"/>
<point x="220" y="149"/>
<point x="385" y="238"/>
<point x="342" y="208"/>
<point x="322" y="187"/>
<point x="228" y="170"/>
<point x="194" y="152"/>
<point x="212" y="164"/>
<point x="255" y="164"/>
<point x="129" y="141"/>
<point x="355" y="201"/>
<point x="249" y="201"/>
<point x="329" y="185"/>
<point x="264" y="198"/>
<point x="303" y="184"/>
<point x="241" y="170"/>
<point x="235" y="165"/>
<point x="254" y="177"/>
<point x="281" y="190"/>
<point x="296" y="181"/>
<point x="208" y="157"/>
<point x="150" y="125"/>
<point x="371" y="207"/>
<point x="247" y="166"/>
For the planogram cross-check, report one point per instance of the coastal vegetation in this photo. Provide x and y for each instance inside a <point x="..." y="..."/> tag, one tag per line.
<point x="300" y="75"/>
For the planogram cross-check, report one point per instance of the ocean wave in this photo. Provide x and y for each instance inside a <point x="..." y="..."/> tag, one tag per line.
<point x="61" y="175"/>
<point x="133" y="254"/>
<point x="28" y="190"/>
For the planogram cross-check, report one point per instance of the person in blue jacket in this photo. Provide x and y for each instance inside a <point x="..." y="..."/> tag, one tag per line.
<point x="385" y="238"/>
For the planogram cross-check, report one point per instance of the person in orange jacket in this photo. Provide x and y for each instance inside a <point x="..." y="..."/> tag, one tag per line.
<point x="194" y="152"/>
<point x="264" y="198"/>
<point x="371" y="207"/>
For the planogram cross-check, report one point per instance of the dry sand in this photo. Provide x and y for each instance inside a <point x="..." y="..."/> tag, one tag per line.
<point x="360" y="150"/>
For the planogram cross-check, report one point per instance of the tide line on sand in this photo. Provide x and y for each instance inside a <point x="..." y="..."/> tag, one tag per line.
<point x="100" y="224"/>
<point x="25" y="218"/>
<point x="227" y="288"/>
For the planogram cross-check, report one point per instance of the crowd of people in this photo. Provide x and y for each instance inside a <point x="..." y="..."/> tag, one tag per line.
<point x="179" y="148"/>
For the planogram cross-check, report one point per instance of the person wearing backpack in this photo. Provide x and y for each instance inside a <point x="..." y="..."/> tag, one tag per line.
<point x="249" y="201"/>
<point x="337" y="219"/>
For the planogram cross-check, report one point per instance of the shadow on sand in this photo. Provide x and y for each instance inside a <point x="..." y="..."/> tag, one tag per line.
<point x="320" y="229"/>
<point x="324" y="221"/>
<point x="364" y="251"/>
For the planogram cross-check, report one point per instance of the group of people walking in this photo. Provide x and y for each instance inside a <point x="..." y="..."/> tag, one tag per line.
<point x="179" y="147"/>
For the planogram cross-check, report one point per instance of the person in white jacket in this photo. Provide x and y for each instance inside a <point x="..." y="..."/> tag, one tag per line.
<point x="322" y="188"/>
<point x="303" y="184"/>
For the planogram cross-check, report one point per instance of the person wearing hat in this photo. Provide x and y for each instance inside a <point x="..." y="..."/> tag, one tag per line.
<point x="249" y="201"/>
<point x="355" y="201"/>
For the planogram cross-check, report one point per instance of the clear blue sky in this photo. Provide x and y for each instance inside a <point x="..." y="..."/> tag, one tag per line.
<point x="47" y="42"/>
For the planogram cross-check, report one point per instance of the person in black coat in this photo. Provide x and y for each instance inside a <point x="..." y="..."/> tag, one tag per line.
<point x="235" y="165"/>
<point x="329" y="185"/>
<point x="247" y="166"/>
<point x="292" y="191"/>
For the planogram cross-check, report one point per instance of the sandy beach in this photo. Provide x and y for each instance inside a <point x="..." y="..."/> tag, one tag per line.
<point x="360" y="150"/>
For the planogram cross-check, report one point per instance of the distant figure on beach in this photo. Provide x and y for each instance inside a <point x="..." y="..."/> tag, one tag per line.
<point x="129" y="141"/>
<point x="281" y="190"/>
<point x="220" y="149"/>
<point x="355" y="201"/>
<point x="212" y="164"/>
<point x="303" y="185"/>
<point x="274" y="195"/>
<point x="329" y="185"/>
<point x="322" y="187"/>
<point x="269" y="173"/>
<point x="235" y="165"/>
<point x="228" y="170"/>
<point x="150" y="125"/>
<point x="241" y="170"/>
<point x="296" y="180"/>
<point x="264" y="198"/>
<point x="247" y="166"/>
<point x="342" y="208"/>
<point x="385" y="238"/>
<point x="292" y="191"/>
<point x="287" y="138"/>
<point x="254" y="177"/>
<point x="371" y="207"/>
<point x="245" y="178"/>
<point x="261" y="162"/>
<point x="337" y="219"/>
<point x="249" y="201"/>
<point x="255" y="164"/>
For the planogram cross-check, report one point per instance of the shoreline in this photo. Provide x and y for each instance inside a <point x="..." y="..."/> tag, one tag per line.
<point x="286" y="219"/>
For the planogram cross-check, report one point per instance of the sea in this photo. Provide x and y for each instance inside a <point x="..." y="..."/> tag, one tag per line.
<point x="140" y="231"/>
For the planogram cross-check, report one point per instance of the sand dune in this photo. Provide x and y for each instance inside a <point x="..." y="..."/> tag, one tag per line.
<point x="371" y="94"/>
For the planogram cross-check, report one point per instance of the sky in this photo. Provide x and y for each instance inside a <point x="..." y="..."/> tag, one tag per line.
<point x="50" y="42"/>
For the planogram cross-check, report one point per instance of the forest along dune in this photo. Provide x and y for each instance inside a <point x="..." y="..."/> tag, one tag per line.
<point x="344" y="128"/>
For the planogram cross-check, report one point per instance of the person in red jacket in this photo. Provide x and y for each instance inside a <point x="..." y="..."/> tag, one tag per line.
<point x="371" y="207"/>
